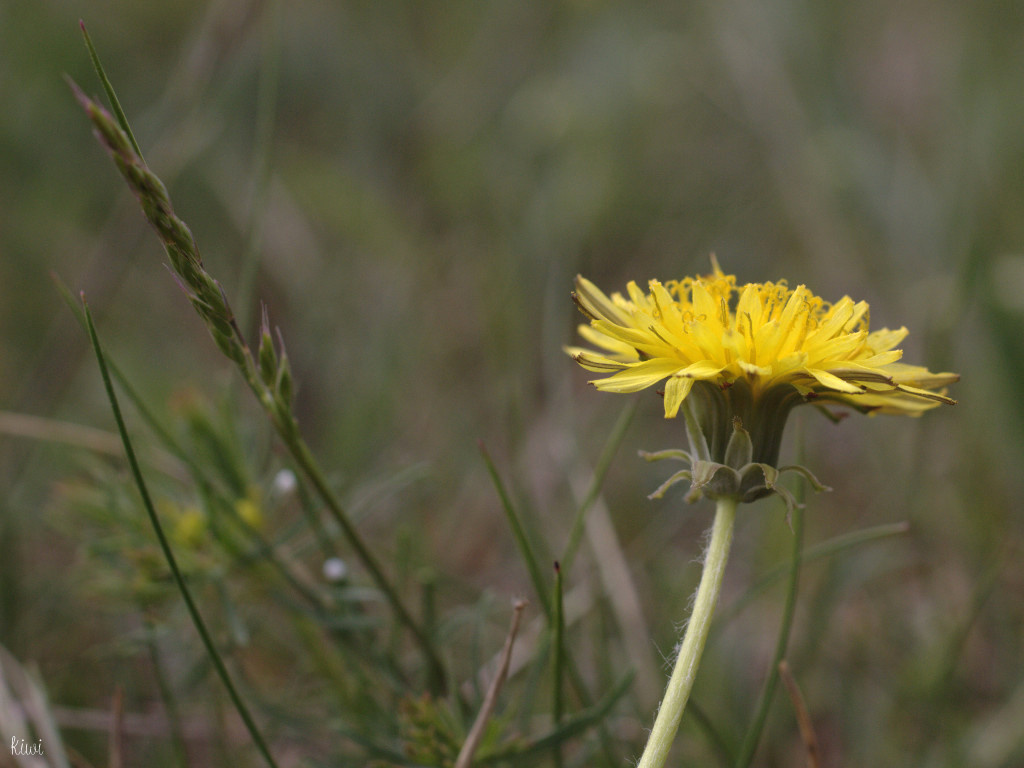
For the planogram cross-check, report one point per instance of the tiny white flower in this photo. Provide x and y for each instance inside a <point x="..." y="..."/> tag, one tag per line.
<point x="335" y="569"/>
<point x="284" y="482"/>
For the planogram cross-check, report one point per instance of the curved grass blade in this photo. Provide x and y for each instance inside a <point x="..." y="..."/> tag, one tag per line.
<point x="525" y="550"/>
<point x="572" y="726"/>
<point x="147" y="502"/>
<point x="753" y="736"/>
<point x="557" y="657"/>
<point x="604" y="461"/>
<point x="820" y="551"/>
<point x="108" y="88"/>
<point x="209" y="300"/>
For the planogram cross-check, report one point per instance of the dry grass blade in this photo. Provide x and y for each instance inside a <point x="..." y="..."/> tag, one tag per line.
<point x="116" y="747"/>
<point x="26" y="720"/>
<point x="620" y="587"/>
<point x="803" y="718"/>
<point x="81" y="436"/>
<point x="465" y="758"/>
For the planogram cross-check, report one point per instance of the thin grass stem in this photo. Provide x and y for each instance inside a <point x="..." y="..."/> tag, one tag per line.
<point x="476" y="733"/>
<point x="179" y="580"/>
<point x="557" y="656"/>
<point x="519" y="534"/>
<point x="803" y="716"/>
<point x="137" y="402"/>
<point x="533" y="569"/>
<point x="824" y="550"/>
<point x="304" y="459"/>
<point x="77" y="434"/>
<point x="753" y="735"/>
<point x="722" y="747"/>
<point x="600" y="471"/>
<point x="574" y="725"/>
<point x="209" y="300"/>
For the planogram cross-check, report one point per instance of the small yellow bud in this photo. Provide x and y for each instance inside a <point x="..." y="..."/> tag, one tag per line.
<point x="251" y="510"/>
<point x="189" y="527"/>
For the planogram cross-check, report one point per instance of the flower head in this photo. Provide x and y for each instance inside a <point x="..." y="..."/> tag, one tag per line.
<point x="739" y="359"/>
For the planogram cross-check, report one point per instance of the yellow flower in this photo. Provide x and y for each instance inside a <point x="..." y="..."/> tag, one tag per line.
<point x="736" y="361"/>
<point x="190" y="527"/>
<point x="771" y="336"/>
<point x="250" y="508"/>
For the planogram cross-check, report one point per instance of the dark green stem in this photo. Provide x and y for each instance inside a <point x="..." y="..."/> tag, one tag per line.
<point x="557" y="654"/>
<point x="820" y="551"/>
<point x="519" y="534"/>
<point x="753" y="737"/>
<point x="304" y="459"/>
<point x="573" y="673"/>
<point x="179" y="580"/>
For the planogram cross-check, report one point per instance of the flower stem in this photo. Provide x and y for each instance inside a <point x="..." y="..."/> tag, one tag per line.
<point x="681" y="683"/>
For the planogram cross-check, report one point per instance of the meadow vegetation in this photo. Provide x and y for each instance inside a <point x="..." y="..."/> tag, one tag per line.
<point x="397" y="198"/>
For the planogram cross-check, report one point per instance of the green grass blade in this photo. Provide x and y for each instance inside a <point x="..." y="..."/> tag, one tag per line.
<point x="533" y="569"/>
<point x="265" y="549"/>
<point x="557" y="657"/>
<point x="210" y="302"/>
<point x="573" y="726"/>
<point x="826" y="549"/>
<point x="600" y="471"/>
<point x="519" y="534"/>
<point x="753" y="736"/>
<point x="165" y="546"/>
<point x="108" y="87"/>
<point x="164" y="435"/>
<point x="718" y="742"/>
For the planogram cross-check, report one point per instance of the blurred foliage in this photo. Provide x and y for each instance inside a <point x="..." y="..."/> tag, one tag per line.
<point x="436" y="174"/>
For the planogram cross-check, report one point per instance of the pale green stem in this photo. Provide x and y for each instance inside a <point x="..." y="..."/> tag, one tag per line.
<point x="681" y="683"/>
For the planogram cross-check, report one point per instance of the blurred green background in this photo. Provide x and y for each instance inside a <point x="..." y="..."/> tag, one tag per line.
<point x="422" y="189"/>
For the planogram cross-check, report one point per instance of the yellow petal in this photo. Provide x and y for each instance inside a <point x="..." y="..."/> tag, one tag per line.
<point x="594" y="303"/>
<point x="641" y="340"/>
<point x="676" y="390"/>
<point x="749" y="310"/>
<point x="838" y="348"/>
<point x="833" y="382"/>
<point x="884" y="339"/>
<point x="614" y="346"/>
<point x="638" y="297"/>
<point x="705" y="308"/>
<point x="638" y="376"/>
<point x="668" y="310"/>
<point x="840" y="315"/>
<point x="594" y="362"/>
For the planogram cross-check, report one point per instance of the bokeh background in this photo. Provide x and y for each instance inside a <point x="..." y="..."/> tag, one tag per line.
<point x="421" y="182"/>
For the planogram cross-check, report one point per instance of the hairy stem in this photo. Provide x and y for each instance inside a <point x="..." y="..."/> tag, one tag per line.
<point x="681" y="683"/>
